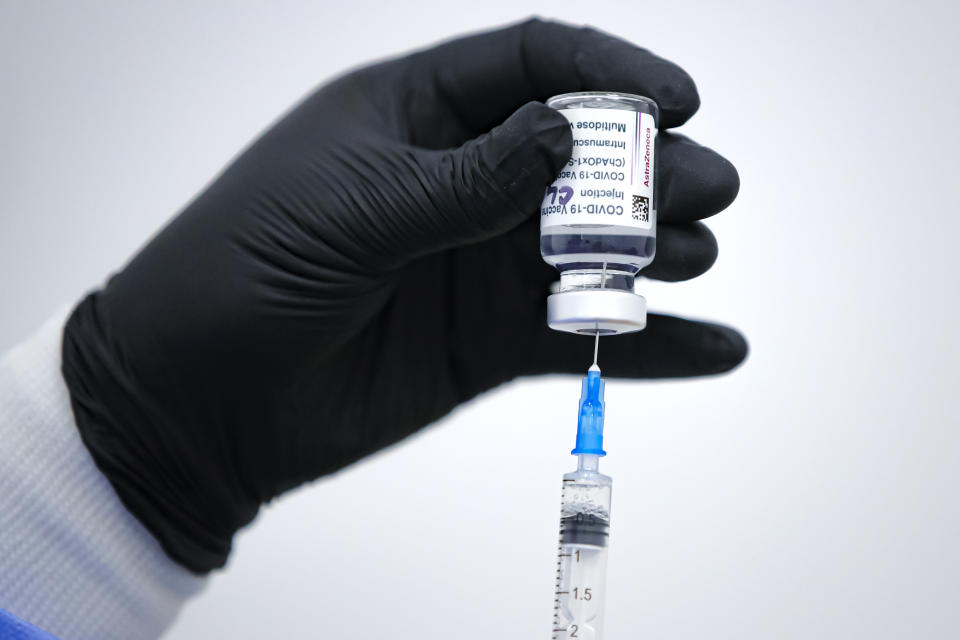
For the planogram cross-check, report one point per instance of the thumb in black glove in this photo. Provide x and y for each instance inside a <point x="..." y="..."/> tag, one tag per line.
<point x="362" y="269"/>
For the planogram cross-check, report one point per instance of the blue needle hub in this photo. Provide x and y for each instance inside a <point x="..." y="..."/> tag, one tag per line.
<point x="590" y="421"/>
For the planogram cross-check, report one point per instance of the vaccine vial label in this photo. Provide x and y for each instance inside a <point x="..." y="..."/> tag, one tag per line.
<point x="609" y="178"/>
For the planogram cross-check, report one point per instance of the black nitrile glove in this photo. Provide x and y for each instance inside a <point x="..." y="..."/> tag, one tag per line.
<point x="368" y="264"/>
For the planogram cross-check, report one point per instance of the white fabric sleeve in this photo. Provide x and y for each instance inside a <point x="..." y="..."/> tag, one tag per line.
<point x="73" y="561"/>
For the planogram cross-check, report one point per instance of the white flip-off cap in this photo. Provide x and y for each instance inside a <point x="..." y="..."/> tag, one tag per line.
<point x="587" y="311"/>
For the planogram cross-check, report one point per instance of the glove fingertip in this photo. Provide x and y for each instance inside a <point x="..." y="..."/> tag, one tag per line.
<point x="696" y="181"/>
<point x="684" y="251"/>
<point x="720" y="182"/>
<point x="678" y="97"/>
<point x="727" y="346"/>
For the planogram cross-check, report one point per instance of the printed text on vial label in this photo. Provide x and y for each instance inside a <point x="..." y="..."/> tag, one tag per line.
<point x="609" y="178"/>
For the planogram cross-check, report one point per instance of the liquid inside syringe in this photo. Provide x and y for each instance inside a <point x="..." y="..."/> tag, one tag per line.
<point x="579" y="595"/>
<point x="582" y="559"/>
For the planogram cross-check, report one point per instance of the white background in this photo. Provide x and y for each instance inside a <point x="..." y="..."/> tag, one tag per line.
<point x="813" y="493"/>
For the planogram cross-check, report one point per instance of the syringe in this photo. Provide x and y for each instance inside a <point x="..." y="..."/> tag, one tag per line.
<point x="584" y="525"/>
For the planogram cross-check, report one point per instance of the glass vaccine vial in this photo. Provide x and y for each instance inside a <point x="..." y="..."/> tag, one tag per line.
<point x="598" y="220"/>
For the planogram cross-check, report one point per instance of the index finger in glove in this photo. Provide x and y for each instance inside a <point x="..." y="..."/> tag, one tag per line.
<point x="483" y="78"/>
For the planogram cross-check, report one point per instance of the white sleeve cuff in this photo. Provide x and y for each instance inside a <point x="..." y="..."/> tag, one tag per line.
<point x="73" y="560"/>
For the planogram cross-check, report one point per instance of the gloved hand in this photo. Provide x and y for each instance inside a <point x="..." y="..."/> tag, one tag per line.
<point x="368" y="264"/>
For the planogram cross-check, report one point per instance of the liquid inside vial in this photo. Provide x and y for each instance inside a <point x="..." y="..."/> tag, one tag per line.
<point x="577" y="247"/>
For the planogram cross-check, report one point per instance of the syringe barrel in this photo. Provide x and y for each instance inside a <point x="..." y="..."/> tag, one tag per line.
<point x="582" y="557"/>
